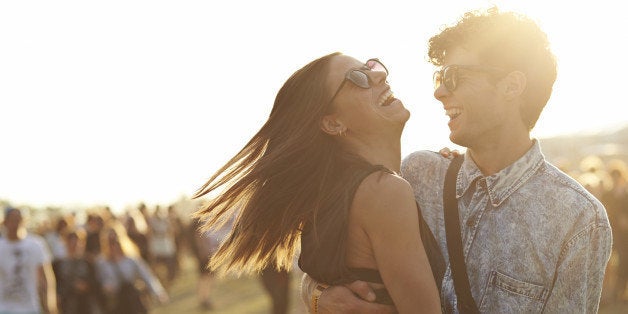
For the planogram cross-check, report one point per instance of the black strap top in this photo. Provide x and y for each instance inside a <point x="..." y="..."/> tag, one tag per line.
<point x="323" y="244"/>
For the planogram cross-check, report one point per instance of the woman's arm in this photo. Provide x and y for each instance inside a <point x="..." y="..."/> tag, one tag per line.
<point x="356" y="297"/>
<point x="385" y="208"/>
<point x="46" y="287"/>
<point x="105" y="276"/>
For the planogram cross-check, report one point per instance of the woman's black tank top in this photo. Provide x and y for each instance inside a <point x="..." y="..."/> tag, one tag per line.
<point x="324" y="248"/>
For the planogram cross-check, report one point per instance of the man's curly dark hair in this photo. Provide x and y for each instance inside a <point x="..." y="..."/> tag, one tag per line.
<point x="506" y="40"/>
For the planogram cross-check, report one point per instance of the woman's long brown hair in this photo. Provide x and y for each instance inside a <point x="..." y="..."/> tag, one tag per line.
<point x="285" y="176"/>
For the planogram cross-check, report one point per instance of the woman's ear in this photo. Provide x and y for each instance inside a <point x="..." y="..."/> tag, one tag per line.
<point x="514" y="84"/>
<point x="332" y="126"/>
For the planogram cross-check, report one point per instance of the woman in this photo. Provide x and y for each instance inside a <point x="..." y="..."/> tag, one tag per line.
<point x="117" y="272"/>
<point x="203" y="245"/>
<point x="79" y="290"/>
<point x="323" y="170"/>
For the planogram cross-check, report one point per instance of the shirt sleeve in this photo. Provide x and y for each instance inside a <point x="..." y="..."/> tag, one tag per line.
<point x="578" y="280"/>
<point x="41" y="253"/>
<point x="149" y="278"/>
<point x="105" y="274"/>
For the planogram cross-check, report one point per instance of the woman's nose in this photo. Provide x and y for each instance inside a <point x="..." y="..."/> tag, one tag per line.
<point x="378" y="77"/>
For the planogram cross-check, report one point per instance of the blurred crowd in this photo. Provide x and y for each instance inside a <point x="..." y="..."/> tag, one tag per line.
<point x="608" y="181"/>
<point x="102" y="262"/>
<point x="95" y="261"/>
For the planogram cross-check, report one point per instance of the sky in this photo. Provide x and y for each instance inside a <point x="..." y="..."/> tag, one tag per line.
<point x="117" y="102"/>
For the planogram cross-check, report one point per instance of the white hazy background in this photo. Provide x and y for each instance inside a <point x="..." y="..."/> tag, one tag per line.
<point x="116" y="102"/>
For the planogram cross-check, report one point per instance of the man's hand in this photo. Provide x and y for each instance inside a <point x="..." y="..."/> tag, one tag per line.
<point x="347" y="299"/>
<point x="447" y="153"/>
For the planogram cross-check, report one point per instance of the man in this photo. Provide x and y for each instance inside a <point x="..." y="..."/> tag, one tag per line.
<point x="27" y="284"/>
<point x="534" y="240"/>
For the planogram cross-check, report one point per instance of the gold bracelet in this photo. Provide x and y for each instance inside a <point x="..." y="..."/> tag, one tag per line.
<point x="316" y="294"/>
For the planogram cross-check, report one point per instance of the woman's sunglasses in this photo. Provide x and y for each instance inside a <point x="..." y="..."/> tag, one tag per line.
<point x="359" y="77"/>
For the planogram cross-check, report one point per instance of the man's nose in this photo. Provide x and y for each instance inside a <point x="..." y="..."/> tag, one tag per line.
<point x="441" y="92"/>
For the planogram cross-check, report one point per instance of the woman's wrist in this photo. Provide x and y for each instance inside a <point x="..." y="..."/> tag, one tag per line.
<point x="316" y="294"/>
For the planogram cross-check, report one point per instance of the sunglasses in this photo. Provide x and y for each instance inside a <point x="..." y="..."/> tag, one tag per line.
<point x="449" y="77"/>
<point x="359" y="76"/>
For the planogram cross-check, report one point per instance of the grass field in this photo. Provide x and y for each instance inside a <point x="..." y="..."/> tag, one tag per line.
<point x="229" y="295"/>
<point x="246" y="295"/>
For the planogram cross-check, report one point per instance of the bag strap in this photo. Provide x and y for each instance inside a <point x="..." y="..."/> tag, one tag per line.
<point x="466" y="303"/>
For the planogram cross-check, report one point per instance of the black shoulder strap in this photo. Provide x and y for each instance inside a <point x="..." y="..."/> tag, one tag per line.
<point x="466" y="303"/>
<point x="434" y="255"/>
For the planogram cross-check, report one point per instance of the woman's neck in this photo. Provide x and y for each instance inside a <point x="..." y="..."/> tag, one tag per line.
<point x="383" y="152"/>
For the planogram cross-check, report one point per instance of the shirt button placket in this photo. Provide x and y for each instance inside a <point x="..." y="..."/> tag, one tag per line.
<point x="480" y="185"/>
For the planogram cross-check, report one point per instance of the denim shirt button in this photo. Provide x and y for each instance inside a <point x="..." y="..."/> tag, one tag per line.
<point x="471" y="221"/>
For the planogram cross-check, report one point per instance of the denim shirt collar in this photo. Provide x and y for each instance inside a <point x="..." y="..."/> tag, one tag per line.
<point x="503" y="183"/>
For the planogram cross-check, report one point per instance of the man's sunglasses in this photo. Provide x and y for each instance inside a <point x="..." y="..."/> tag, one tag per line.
<point x="359" y="77"/>
<point x="449" y="77"/>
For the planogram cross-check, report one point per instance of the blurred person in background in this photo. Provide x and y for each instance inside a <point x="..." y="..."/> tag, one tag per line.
<point x="118" y="270"/>
<point x="145" y="215"/>
<point x="203" y="245"/>
<point x="94" y="226"/>
<point x="616" y="201"/>
<point x="178" y="230"/>
<point x="139" y="238"/>
<point x="592" y="175"/>
<point x="276" y="282"/>
<point x="162" y="245"/>
<point x="55" y="239"/>
<point x="79" y="290"/>
<point x="27" y="283"/>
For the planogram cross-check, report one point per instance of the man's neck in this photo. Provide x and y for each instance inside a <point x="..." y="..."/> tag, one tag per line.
<point x="493" y="157"/>
<point x="14" y="236"/>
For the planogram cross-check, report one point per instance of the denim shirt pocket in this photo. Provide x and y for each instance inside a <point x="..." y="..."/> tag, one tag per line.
<point x="505" y="294"/>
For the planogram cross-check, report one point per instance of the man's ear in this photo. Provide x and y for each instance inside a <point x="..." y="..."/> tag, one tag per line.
<point x="514" y="84"/>
<point x="332" y="126"/>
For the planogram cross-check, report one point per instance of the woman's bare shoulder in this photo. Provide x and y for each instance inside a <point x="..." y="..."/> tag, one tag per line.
<point x="381" y="192"/>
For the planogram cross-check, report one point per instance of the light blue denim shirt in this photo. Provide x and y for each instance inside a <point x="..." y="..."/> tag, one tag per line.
<point x="534" y="239"/>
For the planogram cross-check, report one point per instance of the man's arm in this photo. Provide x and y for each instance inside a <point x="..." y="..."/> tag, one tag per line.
<point x="47" y="288"/>
<point x="343" y="299"/>
<point x="578" y="283"/>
